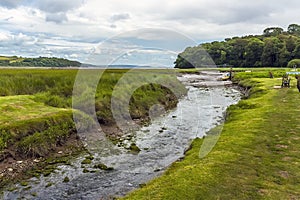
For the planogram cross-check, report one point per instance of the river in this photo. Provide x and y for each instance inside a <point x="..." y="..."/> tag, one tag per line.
<point x="161" y="143"/>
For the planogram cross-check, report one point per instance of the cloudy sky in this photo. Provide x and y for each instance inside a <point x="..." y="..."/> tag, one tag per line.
<point x="131" y="31"/>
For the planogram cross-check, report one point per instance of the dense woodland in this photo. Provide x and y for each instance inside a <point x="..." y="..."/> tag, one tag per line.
<point x="274" y="48"/>
<point x="37" y="62"/>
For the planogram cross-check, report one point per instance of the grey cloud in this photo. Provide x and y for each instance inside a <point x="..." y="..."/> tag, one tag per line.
<point x="10" y="3"/>
<point x="57" y="6"/>
<point x="224" y="12"/>
<point x="56" y="17"/>
<point x="118" y="17"/>
<point x="113" y="26"/>
<point x="9" y="18"/>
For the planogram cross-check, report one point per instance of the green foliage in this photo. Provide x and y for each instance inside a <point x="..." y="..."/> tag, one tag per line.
<point x="37" y="62"/>
<point x="294" y="29"/>
<point x="296" y="51"/>
<point x="254" y="50"/>
<point x="293" y="63"/>
<point x="275" y="48"/>
<point x="193" y="57"/>
<point x="270" y="54"/>
<point x="273" y="31"/>
<point x="182" y="63"/>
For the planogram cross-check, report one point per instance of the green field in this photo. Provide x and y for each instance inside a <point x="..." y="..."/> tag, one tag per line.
<point x="256" y="157"/>
<point x="23" y="107"/>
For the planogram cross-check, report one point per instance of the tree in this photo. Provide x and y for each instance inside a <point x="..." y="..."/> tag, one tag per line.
<point x="235" y="54"/>
<point x="284" y="56"/>
<point x="273" y="31"/>
<point x="294" y="29"/>
<point x="217" y="52"/>
<point x="296" y="52"/>
<point x="294" y="63"/>
<point x="253" y="53"/>
<point x="182" y="63"/>
<point x="194" y="57"/>
<point x="272" y="49"/>
<point x="270" y="55"/>
<point x="290" y="43"/>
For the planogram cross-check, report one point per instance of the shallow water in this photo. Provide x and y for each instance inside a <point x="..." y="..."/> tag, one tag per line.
<point x="162" y="142"/>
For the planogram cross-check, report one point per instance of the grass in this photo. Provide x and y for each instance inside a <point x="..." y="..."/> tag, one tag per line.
<point x="23" y="107"/>
<point x="256" y="157"/>
<point x="24" y="123"/>
<point x="55" y="88"/>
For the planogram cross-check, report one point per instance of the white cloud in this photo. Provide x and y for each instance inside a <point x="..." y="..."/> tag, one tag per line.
<point x="4" y="37"/>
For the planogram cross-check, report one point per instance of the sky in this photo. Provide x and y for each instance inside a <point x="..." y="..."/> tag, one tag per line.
<point x="145" y="32"/>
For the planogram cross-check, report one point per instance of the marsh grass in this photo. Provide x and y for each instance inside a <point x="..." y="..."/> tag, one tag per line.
<point x="36" y="103"/>
<point x="256" y="157"/>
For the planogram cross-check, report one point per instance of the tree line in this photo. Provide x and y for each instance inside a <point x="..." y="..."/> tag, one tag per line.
<point x="37" y="62"/>
<point x="274" y="48"/>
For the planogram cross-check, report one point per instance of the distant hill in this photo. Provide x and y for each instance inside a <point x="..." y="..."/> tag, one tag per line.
<point x="37" y="62"/>
<point x="274" y="48"/>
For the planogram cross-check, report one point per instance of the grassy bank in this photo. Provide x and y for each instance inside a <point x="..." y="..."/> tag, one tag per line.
<point x="55" y="88"/>
<point x="23" y="121"/>
<point x="256" y="157"/>
<point x="30" y="130"/>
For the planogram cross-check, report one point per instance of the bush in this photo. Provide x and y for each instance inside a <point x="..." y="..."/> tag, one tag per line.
<point x="293" y="63"/>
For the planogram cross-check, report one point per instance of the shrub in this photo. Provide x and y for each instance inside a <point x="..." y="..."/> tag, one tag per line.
<point x="293" y="63"/>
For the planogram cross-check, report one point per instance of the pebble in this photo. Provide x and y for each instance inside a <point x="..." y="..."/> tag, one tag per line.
<point x="20" y="162"/>
<point x="36" y="160"/>
<point x="60" y="152"/>
<point x="10" y="169"/>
